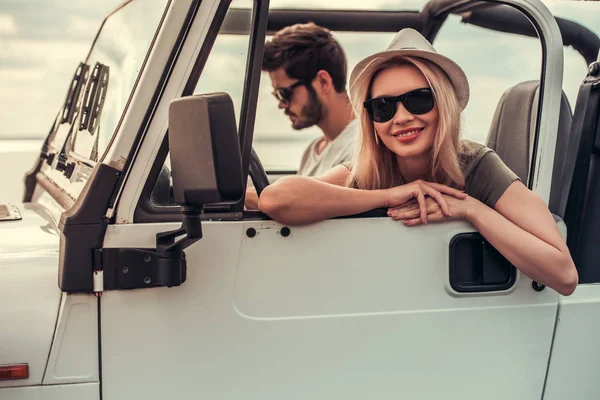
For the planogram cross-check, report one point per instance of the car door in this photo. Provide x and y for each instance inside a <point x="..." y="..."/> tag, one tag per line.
<point x="356" y="307"/>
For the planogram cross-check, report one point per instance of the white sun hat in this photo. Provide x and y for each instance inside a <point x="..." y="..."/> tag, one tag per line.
<point x="409" y="42"/>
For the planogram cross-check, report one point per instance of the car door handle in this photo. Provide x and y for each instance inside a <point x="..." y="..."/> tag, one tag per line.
<point x="476" y="266"/>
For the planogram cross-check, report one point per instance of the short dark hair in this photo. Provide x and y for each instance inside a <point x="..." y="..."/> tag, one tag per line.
<point x="305" y="49"/>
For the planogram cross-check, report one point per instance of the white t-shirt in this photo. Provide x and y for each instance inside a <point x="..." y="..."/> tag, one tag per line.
<point x="337" y="152"/>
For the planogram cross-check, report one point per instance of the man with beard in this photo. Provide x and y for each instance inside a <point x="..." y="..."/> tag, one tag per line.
<point x="307" y="67"/>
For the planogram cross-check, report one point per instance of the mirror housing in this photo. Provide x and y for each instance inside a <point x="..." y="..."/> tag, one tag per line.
<point x="205" y="151"/>
<point x="206" y="167"/>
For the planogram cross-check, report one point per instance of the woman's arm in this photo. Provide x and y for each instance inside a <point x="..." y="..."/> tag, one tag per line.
<point x="519" y="226"/>
<point x="523" y="230"/>
<point x="301" y="200"/>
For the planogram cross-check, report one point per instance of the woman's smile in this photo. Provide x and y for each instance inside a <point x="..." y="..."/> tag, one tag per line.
<point x="407" y="135"/>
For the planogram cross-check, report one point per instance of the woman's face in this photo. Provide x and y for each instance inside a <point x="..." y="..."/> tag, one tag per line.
<point x="406" y="134"/>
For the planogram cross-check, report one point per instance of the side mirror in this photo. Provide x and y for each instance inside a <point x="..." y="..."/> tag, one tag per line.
<point x="206" y="167"/>
<point x="205" y="151"/>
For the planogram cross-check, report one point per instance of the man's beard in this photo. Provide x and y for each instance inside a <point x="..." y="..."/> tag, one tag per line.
<point x="311" y="113"/>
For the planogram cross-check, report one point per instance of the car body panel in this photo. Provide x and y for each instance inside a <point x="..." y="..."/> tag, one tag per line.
<point x="573" y="369"/>
<point x="74" y="355"/>
<point x="321" y="314"/>
<point x="29" y="293"/>
<point x="84" y="391"/>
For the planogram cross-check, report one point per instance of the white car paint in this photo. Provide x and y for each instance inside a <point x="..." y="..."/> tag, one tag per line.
<point x="573" y="371"/>
<point x="74" y="355"/>
<point x="314" y="315"/>
<point x="30" y="297"/>
<point x="87" y="391"/>
<point x="16" y="158"/>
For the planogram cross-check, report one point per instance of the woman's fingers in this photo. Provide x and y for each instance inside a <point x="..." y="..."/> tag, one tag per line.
<point x="434" y="217"/>
<point x="447" y="190"/>
<point x="422" y="206"/>
<point x="439" y="198"/>
<point x="412" y="209"/>
<point x="412" y="222"/>
<point x="404" y="213"/>
<point x="427" y="198"/>
<point x="409" y="206"/>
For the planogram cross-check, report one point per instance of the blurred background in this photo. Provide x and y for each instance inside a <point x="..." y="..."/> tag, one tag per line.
<point x="43" y="41"/>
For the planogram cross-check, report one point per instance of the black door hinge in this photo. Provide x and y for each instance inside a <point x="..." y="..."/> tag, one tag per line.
<point x="118" y="269"/>
<point x="130" y="268"/>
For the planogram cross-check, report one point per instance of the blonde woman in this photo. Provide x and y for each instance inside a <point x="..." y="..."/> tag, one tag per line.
<point x="412" y="161"/>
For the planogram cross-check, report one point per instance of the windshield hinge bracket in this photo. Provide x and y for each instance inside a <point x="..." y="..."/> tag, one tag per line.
<point x="98" y="282"/>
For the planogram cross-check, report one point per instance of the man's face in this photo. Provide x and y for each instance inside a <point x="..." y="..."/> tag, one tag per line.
<point x="302" y="104"/>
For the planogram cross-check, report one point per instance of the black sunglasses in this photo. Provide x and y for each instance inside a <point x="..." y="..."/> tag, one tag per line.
<point x="383" y="109"/>
<point x="285" y="94"/>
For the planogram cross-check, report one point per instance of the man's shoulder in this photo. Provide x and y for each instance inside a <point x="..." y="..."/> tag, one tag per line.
<point x="308" y="151"/>
<point x="311" y="146"/>
<point x="344" y="146"/>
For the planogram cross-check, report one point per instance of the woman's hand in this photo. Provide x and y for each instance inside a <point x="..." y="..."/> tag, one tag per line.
<point x="401" y="196"/>
<point x="411" y="214"/>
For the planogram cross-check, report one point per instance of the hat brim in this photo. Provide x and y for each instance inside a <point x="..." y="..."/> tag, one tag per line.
<point x="454" y="72"/>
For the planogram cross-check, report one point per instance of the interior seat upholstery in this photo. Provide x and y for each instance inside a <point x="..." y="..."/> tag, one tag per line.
<point x="512" y="133"/>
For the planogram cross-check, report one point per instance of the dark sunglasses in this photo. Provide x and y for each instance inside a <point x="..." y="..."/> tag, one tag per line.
<point x="285" y="94"/>
<point x="383" y="109"/>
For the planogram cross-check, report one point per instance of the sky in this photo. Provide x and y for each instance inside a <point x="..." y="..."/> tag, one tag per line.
<point x="42" y="42"/>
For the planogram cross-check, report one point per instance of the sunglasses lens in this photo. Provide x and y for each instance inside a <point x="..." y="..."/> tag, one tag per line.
<point x="419" y="101"/>
<point x="282" y="95"/>
<point x="382" y="109"/>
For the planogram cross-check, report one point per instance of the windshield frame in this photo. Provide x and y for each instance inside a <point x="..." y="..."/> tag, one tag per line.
<point x="68" y="187"/>
<point x="139" y="73"/>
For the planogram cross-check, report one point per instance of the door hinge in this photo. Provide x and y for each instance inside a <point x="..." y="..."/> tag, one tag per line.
<point x="130" y="268"/>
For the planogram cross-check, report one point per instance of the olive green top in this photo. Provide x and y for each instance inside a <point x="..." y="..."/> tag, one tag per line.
<point x="486" y="175"/>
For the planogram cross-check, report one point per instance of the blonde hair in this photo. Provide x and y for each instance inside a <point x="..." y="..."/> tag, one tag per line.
<point x="375" y="166"/>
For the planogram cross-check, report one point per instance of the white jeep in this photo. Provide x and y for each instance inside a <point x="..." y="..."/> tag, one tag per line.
<point x="169" y="288"/>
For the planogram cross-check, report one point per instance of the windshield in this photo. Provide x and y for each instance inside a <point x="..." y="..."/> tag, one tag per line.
<point x="120" y="49"/>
